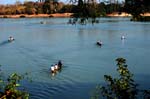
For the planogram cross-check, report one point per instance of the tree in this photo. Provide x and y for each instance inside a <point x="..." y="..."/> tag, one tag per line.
<point x="9" y="87"/>
<point x="85" y="10"/>
<point x="50" y="6"/>
<point x="39" y="7"/>
<point x="46" y="7"/>
<point x="29" y="8"/>
<point x="101" y="8"/>
<point x="123" y="87"/>
<point x="137" y="7"/>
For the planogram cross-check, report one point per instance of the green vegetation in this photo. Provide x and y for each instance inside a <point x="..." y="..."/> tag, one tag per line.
<point x="82" y="9"/>
<point x="9" y="88"/>
<point x="137" y="8"/>
<point x="123" y="87"/>
<point x="141" y="18"/>
<point x="30" y="7"/>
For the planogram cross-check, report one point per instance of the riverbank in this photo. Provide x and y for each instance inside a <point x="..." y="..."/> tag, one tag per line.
<point x="123" y="14"/>
<point x="37" y="15"/>
<point x="59" y="15"/>
<point x="116" y="14"/>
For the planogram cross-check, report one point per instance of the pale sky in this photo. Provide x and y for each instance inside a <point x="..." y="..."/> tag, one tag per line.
<point x="13" y="1"/>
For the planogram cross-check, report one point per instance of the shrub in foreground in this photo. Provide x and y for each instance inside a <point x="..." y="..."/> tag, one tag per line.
<point x="123" y="87"/>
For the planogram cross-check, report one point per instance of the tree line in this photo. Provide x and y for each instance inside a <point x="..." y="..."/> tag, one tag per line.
<point x="81" y="7"/>
<point x="30" y="7"/>
<point x="136" y="8"/>
<point x="49" y="7"/>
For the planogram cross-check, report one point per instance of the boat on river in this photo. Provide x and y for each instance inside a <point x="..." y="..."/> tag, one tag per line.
<point x="99" y="43"/>
<point x="56" y="67"/>
<point x="11" y="39"/>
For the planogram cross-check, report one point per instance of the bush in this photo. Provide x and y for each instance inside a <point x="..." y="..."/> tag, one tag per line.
<point x="123" y="87"/>
<point x="9" y="87"/>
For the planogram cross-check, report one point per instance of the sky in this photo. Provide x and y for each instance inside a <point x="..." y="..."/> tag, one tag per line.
<point x="13" y="1"/>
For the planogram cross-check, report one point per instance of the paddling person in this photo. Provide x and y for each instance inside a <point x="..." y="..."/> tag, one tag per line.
<point x="59" y="64"/>
<point x="56" y="67"/>
<point x="11" y="38"/>
<point x="99" y="43"/>
<point x="52" y="69"/>
<point x="122" y="37"/>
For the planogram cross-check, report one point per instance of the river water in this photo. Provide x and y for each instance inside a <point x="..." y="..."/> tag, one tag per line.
<point x="38" y="46"/>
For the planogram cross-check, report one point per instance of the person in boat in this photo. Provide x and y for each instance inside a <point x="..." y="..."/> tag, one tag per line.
<point x="56" y="67"/>
<point x="52" y="69"/>
<point x="99" y="43"/>
<point x="122" y="37"/>
<point x="59" y="64"/>
<point x="11" y="38"/>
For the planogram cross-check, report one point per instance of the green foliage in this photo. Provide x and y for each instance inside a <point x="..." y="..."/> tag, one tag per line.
<point x="68" y="8"/>
<point x="29" y="8"/>
<point x="50" y="6"/>
<point x="46" y="7"/>
<point x="89" y="11"/>
<point x="9" y="88"/>
<point x="123" y="87"/>
<point x="141" y="18"/>
<point x="85" y="11"/>
<point x="136" y="8"/>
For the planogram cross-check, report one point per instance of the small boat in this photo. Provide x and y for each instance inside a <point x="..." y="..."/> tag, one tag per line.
<point x="99" y="43"/>
<point x="11" y="39"/>
<point x="122" y="37"/>
<point x="56" y="67"/>
<point x="42" y="22"/>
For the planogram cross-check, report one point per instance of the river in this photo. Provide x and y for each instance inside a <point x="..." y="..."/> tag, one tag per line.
<point x="37" y="46"/>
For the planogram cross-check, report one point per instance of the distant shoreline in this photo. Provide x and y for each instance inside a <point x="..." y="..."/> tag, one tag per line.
<point x="63" y="15"/>
<point x="123" y="14"/>
<point x="116" y="14"/>
<point x="59" y="15"/>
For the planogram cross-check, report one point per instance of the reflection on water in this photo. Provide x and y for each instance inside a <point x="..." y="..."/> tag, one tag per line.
<point x="122" y="41"/>
<point x="37" y="46"/>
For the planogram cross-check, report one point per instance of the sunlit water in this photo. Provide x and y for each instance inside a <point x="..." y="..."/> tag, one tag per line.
<point x="38" y="46"/>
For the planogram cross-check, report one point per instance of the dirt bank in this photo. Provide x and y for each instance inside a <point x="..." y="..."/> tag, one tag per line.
<point x="123" y="14"/>
<point x="37" y="15"/>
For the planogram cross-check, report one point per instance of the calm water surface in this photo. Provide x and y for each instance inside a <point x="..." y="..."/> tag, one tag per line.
<point x="38" y="46"/>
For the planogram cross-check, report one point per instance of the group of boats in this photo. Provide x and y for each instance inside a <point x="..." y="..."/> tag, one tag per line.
<point x="55" y="68"/>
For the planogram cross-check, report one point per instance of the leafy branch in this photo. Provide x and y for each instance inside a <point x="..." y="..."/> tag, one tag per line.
<point x="10" y="87"/>
<point x="123" y="87"/>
